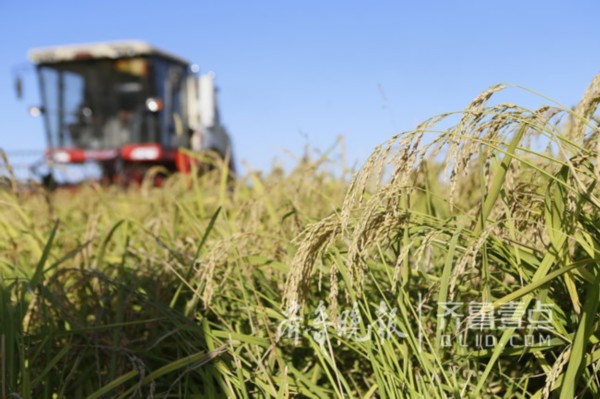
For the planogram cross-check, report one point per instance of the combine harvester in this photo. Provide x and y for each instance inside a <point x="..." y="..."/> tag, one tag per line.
<point x="126" y="106"/>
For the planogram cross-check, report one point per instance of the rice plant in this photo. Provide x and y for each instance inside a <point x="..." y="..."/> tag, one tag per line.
<point x="461" y="260"/>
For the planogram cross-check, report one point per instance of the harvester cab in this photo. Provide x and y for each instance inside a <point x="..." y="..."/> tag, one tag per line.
<point x="126" y="106"/>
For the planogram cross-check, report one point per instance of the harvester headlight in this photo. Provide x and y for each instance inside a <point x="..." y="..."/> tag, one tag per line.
<point x="35" y="111"/>
<point x="154" y="104"/>
<point x="145" y="154"/>
<point x="61" y="157"/>
<point x="87" y="112"/>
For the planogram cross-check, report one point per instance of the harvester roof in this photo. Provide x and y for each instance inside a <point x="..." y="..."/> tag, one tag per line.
<point x="104" y="50"/>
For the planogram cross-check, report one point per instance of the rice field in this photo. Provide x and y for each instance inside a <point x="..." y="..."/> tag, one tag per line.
<point x="461" y="260"/>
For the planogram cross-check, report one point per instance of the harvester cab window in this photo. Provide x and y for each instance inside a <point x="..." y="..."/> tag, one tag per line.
<point x="125" y="109"/>
<point x="73" y="84"/>
<point x="169" y="81"/>
<point x="98" y="104"/>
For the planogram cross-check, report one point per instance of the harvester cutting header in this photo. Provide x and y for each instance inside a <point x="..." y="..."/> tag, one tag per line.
<point x="126" y="106"/>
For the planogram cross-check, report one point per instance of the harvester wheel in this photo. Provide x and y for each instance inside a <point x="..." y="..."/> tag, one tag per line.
<point x="49" y="182"/>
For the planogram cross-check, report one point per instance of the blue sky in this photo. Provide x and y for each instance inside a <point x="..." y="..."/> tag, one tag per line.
<point x="298" y="72"/>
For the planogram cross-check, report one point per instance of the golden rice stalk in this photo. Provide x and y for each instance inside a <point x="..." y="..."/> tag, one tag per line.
<point x="584" y="111"/>
<point x="555" y="372"/>
<point x="377" y="203"/>
<point x="314" y="242"/>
